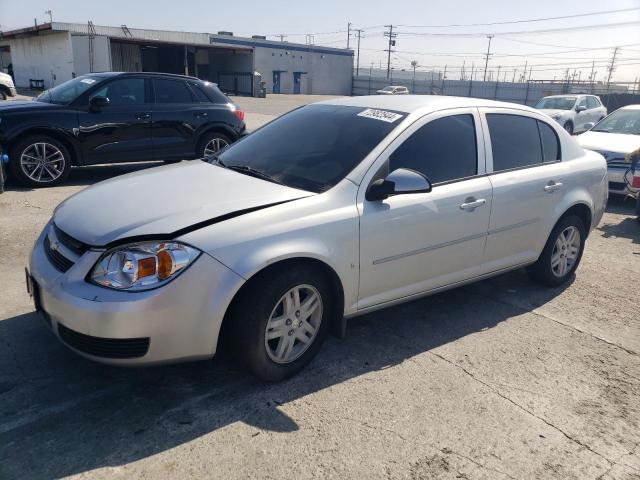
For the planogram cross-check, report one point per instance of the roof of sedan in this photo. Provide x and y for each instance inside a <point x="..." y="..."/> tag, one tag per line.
<point x="409" y="103"/>
<point x="631" y="107"/>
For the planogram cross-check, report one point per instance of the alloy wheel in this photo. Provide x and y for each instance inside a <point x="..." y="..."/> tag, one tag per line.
<point x="213" y="147"/>
<point x="565" y="251"/>
<point x="42" y="162"/>
<point x="293" y="324"/>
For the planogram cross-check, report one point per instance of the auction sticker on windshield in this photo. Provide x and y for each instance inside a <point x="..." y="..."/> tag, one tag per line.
<point x="383" y="115"/>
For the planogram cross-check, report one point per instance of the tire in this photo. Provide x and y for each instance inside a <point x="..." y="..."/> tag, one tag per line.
<point x="257" y="308"/>
<point x="30" y="149"/>
<point x="543" y="271"/>
<point x="638" y="209"/>
<point x="205" y="144"/>
<point x="3" y="94"/>
<point x="568" y="126"/>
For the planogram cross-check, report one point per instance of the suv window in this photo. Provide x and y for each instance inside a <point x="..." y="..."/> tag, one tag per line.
<point x="443" y="150"/>
<point x="198" y="93"/>
<point x="125" y="91"/>
<point x="582" y="102"/>
<point x="550" y="143"/>
<point x="171" y="91"/>
<point x="515" y="141"/>
<point x="592" y="102"/>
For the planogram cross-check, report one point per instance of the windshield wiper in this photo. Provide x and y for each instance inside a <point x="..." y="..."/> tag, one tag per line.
<point x="252" y="172"/>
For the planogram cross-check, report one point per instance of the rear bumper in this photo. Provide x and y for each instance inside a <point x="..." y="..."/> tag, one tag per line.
<point x="616" y="179"/>
<point x="177" y="322"/>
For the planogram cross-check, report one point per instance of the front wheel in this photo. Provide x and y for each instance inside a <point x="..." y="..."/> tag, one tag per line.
<point x="280" y="321"/>
<point x="40" y="161"/>
<point x="562" y="252"/>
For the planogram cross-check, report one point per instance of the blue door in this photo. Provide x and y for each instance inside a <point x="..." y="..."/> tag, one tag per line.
<point x="297" y="77"/>
<point x="276" y="81"/>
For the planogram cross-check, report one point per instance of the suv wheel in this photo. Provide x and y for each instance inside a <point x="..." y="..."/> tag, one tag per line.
<point x="568" y="126"/>
<point x="211" y="144"/>
<point x="3" y="94"/>
<point x="562" y="253"/>
<point x="40" y="161"/>
<point x="280" y="321"/>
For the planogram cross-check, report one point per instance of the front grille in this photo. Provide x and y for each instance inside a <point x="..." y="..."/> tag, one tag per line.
<point x="71" y="243"/>
<point x="58" y="260"/>
<point x="104" y="347"/>
<point x="616" y="186"/>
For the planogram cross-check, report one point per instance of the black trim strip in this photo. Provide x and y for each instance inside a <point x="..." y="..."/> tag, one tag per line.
<point x="192" y="228"/>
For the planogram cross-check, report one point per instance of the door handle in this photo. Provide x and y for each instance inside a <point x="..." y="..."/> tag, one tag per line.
<point x="143" y="116"/>
<point x="552" y="186"/>
<point x="201" y="114"/>
<point x="470" y="204"/>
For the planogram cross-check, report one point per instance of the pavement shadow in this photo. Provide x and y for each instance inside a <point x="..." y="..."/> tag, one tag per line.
<point x="62" y="415"/>
<point x="85" y="176"/>
<point x="628" y="227"/>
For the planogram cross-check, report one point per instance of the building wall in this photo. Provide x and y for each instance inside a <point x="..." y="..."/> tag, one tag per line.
<point x="101" y="54"/>
<point x="326" y="71"/>
<point x="47" y="57"/>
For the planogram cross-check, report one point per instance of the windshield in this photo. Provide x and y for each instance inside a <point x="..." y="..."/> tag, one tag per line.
<point x="556" y="103"/>
<point x="314" y="147"/>
<point x="620" y="121"/>
<point x="388" y="89"/>
<point x="68" y="91"/>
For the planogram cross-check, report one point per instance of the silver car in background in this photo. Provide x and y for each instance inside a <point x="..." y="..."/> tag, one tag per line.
<point x="393" y="90"/>
<point x="333" y="210"/>
<point x="573" y="112"/>
<point x="615" y="138"/>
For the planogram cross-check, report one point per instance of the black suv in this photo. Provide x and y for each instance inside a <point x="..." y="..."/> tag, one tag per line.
<point x="115" y="117"/>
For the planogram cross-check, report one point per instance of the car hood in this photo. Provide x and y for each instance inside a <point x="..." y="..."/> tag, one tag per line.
<point x="554" y="111"/>
<point x="609" y="142"/>
<point x="166" y="201"/>
<point x="20" y="106"/>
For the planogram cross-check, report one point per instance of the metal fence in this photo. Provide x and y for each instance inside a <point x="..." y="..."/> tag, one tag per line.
<point x="526" y="93"/>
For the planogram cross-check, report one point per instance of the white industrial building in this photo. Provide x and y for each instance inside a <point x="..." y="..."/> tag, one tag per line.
<point x="52" y="53"/>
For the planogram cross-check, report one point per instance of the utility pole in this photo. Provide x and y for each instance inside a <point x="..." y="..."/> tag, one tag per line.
<point x="486" y="61"/>
<point x="414" y="64"/>
<point x="524" y="75"/>
<point x="392" y="43"/>
<point x="50" y="13"/>
<point x="281" y="37"/>
<point x="358" y="54"/>
<point x="444" y="77"/>
<point x="348" y="34"/>
<point x="514" y="76"/>
<point x="462" y="71"/>
<point x="612" y="67"/>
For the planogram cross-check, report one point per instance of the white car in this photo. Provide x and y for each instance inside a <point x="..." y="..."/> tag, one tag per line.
<point x="616" y="137"/>
<point x="333" y="210"/>
<point x="7" y="88"/>
<point x="393" y="90"/>
<point x="573" y="112"/>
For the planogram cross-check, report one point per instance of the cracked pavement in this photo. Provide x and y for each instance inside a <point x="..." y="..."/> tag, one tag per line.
<point x="498" y="379"/>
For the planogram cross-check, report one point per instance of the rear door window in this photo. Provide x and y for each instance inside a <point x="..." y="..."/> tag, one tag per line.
<point x="443" y="150"/>
<point x="515" y="141"/>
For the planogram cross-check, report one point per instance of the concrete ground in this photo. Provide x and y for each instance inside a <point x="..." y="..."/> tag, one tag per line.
<point x="500" y="379"/>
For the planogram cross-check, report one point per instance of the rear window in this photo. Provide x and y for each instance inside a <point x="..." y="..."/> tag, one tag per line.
<point x="171" y="91"/>
<point x="313" y="147"/>
<point x="214" y="94"/>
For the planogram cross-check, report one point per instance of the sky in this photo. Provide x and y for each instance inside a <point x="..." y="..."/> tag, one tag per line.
<point x="419" y="24"/>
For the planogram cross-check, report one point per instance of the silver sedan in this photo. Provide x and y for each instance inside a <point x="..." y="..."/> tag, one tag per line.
<point x="331" y="211"/>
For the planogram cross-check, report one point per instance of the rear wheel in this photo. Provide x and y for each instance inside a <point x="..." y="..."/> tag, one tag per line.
<point x="3" y="94"/>
<point x="211" y="144"/>
<point x="40" y="161"/>
<point x="280" y="320"/>
<point x="562" y="252"/>
<point x="568" y="126"/>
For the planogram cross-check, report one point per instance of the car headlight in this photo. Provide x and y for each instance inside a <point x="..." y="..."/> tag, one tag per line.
<point x="142" y="266"/>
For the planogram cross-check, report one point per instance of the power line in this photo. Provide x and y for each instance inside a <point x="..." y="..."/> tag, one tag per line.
<point x="523" y="21"/>
<point x="525" y="32"/>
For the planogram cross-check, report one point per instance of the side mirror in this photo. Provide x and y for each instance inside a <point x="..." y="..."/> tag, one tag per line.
<point x="98" y="103"/>
<point x="589" y="125"/>
<point x="580" y="108"/>
<point x="399" y="182"/>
